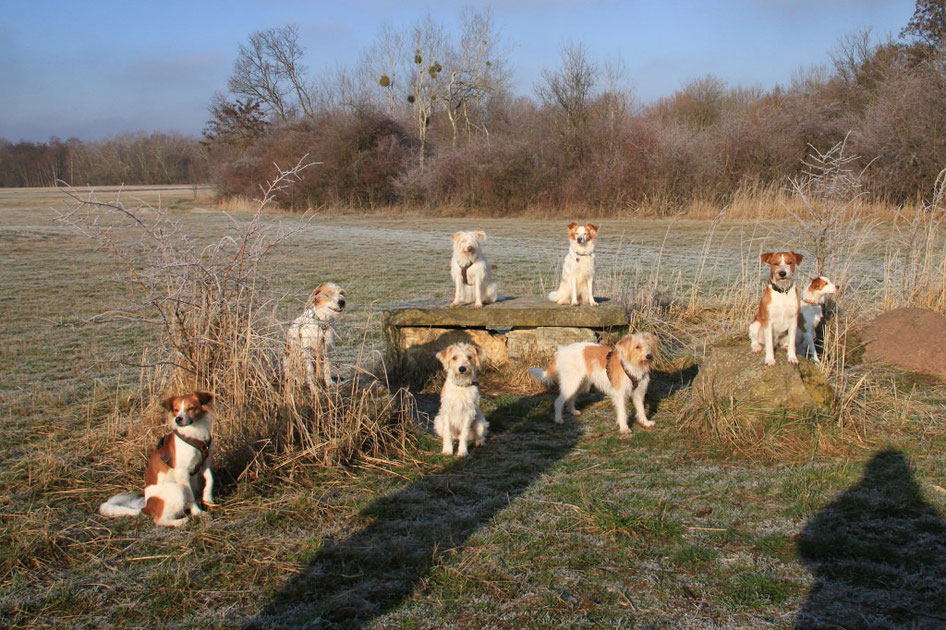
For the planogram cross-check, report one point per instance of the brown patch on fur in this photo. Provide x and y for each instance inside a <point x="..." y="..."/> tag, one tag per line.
<point x="817" y="284"/>
<point x="595" y="357"/>
<point x="592" y="230"/>
<point x="157" y="458"/>
<point x="552" y="372"/>
<point x="571" y="230"/>
<point x="154" y="508"/>
<point x="762" y="315"/>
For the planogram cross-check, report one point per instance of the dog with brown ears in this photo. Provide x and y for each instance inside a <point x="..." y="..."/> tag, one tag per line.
<point x="811" y="315"/>
<point x="460" y="418"/>
<point x="578" y="270"/>
<point x="311" y="336"/>
<point x="776" y="321"/>
<point x="619" y="371"/>
<point x="175" y="467"/>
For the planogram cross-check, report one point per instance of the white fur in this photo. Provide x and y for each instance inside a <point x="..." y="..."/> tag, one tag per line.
<point x="460" y="417"/>
<point x="570" y="370"/>
<point x="175" y="487"/>
<point x="312" y="335"/>
<point x="782" y="310"/>
<point x="812" y="312"/>
<point x="578" y="269"/>
<point x="468" y="253"/>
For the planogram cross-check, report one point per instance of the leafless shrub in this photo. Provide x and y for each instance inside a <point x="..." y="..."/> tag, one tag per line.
<point x="216" y="328"/>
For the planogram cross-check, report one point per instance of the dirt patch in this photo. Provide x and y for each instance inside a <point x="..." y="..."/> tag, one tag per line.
<point x="908" y="338"/>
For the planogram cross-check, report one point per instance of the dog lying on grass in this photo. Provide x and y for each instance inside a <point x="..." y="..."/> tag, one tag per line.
<point x="175" y="465"/>
<point x="578" y="270"/>
<point x="460" y="417"/>
<point x="619" y="371"/>
<point x="470" y="271"/>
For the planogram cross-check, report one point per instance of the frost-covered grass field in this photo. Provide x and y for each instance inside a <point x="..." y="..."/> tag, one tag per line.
<point x="546" y="525"/>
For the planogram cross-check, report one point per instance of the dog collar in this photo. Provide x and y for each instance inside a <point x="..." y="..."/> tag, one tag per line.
<point x="775" y="286"/>
<point x="809" y="302"/>
<point x="585" y="254"/>
<point x="607" y="367"/>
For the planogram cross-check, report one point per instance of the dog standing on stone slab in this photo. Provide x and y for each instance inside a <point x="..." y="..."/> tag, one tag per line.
<point x="470" y="271"/>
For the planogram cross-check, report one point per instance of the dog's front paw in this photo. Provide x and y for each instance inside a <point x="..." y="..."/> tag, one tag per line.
<point x="770" y="361"/>
<point x="478" y="305"/>
<point x="593" y="303"/>
<point x="575" y="302"/>
<point x="480" y="442"/>
<point x="646" y="423"/>
<point x="461" y="453"/>
<point x="453" y="303"/>
<point x="792" y="359"/>
<point x="576" y="412"/>
<point x="756" y="347"/>
<point x="447" y="451"/>
<point x="624" y="430"/>
<point x="559" y="421"/>
<point x="195" y="510"/>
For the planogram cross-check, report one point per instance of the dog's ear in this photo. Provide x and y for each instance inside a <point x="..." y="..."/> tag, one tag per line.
<point x="455" y="236"/>
<point x="205" y="398"/>
<point x="571" y="227"/>
<point x="797" y="257"/>
<point x="592" y="228"/>
<point x="170" y="403"/>
<point x="443" y="356"/>
<point x="480" y="236"/>
<point x="653" y="342"/>
<point x="767" y="257"/>
<point x="480" y="355"/>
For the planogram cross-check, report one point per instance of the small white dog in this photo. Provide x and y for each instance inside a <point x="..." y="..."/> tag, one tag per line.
<point x="812" y="312"/>
<point x="776" y="321"/>
<point x="619" y="371"/>
<point x="578" y="270"/>
<point x="470" y="271"/>
<point x="174" y="467"/>
<point x="460" y="417"/>
<point x="311" y="336"/>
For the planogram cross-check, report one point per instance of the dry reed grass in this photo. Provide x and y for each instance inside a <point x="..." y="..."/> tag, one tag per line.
<point x="217" y="330"/>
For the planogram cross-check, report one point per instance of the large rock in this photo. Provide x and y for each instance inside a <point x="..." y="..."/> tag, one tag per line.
<point x="908" y="338"/>
<point x="734" y="372"/>
<point x="520" y="312"/>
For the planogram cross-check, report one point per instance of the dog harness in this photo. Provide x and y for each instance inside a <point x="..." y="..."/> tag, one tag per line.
<point x="202" y="447"/>
<point x="463" y="269"/>
<point x="607" y="369"/>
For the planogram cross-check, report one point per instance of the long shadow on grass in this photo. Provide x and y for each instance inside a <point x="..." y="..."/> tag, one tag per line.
<point x="878" y="554"/>
<point x="354" y="580"/>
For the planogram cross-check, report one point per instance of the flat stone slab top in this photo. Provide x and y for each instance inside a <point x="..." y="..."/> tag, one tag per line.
<point x="508" y="312"/>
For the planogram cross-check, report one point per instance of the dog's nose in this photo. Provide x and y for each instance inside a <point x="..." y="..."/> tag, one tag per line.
<point x="650" y="356"/>
<point x="469" y="250"/>
<point x="341" y="304"/>
<point x="179" y="421"/>
<point x="461" y="369"/>
<point x="781" y="273"/>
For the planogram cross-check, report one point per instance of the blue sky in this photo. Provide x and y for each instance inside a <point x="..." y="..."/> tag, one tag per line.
<point x="92" y="69"/>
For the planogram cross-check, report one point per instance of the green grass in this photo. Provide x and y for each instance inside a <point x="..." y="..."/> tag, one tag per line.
<point x="547" y="525"/>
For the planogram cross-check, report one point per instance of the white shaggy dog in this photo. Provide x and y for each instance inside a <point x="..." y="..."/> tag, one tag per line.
<point x="776" y="321"/>
<point x="619" y="371"/>
<point x="470" y="271"/>
<point x="174" y="467"/>
<point x="578" y="270"/>
<point x="311" y="337"/>
<point x="812" y="312"/>
<point x="460" y="417"/>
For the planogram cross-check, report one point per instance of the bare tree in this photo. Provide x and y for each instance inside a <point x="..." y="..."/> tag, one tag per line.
<point x="383" y="68"/>
<point x="429" y="46"/>
<point x="269" y="69"/>
<point x="570" y="87"/>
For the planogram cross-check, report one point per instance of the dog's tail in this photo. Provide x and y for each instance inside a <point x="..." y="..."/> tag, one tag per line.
<point x="546" y="377"/>
<point x="558" y="293"/>
<point x="492" y="292"/>
<point x="123" y="505"/>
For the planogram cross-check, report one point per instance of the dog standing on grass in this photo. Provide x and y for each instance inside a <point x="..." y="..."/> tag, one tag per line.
<point x="776" y="321"/>
<point x="470" y="271"/>
<point x="460" y="417"/>
<point x="311" y="336"/>
<point x="619" y="371"/>
<point x="578" y="270"/>
<point x="812" y="312"/>
<point x="175" y="466"/>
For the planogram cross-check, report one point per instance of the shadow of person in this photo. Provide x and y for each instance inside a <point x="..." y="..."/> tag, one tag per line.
<point x="878" y="554"/>
<point x="354" y="580"/>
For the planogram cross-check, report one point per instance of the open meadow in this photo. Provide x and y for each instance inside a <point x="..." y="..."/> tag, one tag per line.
<point x="692" y="523"/>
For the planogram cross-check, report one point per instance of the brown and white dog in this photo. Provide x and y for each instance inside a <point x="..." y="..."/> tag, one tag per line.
<point x="460" y="417"/>
<point x="812" y="312"/>
<point x="619" y="371"/>
<point x="776" y="321"/>
<point x="175" y="466"/>
<point x="578" y="270"/>
<point x="311" y="337"/>
<point x="470" y="271"/>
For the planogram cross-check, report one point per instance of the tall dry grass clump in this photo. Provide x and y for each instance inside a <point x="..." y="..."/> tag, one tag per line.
<point x="216" y="328"/>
